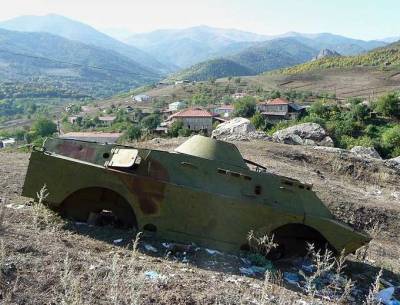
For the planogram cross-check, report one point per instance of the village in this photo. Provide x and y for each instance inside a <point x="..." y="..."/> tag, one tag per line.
<point x="105" y="121"/>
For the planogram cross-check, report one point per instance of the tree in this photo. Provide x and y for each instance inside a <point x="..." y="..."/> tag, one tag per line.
<point x="133" y="133"/>
<point x="258" y="120"/>
<point x="388" y="105"/>
<point x="200" y="99"/>
<point x="245" y="107"/>
<point x="391" y="137"/>
<point x="44" y="127"/>
<point x="175" y="127"/>
<point x="151" y="121"/>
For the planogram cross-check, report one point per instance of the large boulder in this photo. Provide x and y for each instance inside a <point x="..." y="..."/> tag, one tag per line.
<point x="238" y="129"/>
<point x="311" y="134"/>
<point x="365" y="152"/>
<point x="393" y="163"/>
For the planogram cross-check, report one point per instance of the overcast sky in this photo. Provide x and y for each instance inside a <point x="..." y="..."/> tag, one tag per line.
<point x="366" y="19"/>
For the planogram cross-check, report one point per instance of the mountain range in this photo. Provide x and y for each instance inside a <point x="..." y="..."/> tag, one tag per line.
<point x="46" y="58"/>
<point x="195" y="53"/>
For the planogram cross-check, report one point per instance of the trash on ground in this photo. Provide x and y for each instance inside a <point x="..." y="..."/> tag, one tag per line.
<point x="213" y="252"/>
<point x="117" y="241"/>
<point x="385" y="296"/>
<point x="154" y="275"/>
<point x="150" y="248"/>
<point x="253" y="270"/>
<point x="15" y="207"/>
<point x="291" y="278"/>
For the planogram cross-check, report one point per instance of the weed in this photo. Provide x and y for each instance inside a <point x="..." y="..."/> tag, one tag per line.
<point x="261" y="245"/>
<point x="2" y="211"/>
<point x="370" y="300"/>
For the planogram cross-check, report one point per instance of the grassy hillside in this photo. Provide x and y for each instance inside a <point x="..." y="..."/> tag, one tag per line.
<point x="382" y="57"/>
<point x="45" y="58"/>
<point x="215" y="68"/>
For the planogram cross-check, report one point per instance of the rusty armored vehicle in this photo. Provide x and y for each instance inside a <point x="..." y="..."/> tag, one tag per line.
<point x="203" y="192"/>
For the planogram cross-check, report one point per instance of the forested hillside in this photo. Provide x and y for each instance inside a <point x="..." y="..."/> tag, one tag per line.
<point x="43" y="58"/>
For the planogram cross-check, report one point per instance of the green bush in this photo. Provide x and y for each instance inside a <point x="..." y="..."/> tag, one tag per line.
<point x="388" y="105"/>
<point x="245" y="107"/>
<point x="258" y="120"/>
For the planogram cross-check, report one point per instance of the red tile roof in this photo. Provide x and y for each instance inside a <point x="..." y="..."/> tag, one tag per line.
<point x="191" y="113"/>
<point x="278" y="101"/>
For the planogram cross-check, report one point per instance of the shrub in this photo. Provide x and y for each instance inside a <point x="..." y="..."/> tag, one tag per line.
<point x="44" y="127"/>
<point x="258" y="120"/>
<point x="388" y="105"/>
<point x="133" y="133"/>
<point x="245" y="107"/>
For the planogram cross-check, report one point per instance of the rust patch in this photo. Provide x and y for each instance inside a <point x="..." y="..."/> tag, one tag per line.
<point x="158" y="171"/>
<point x="150" y="192"/>
<point x="76" y="151"/>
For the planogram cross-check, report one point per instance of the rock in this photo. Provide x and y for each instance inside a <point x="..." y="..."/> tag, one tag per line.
<point x="330" y="149"/>
<point x="326" y="53"/>
<point x="303" y="134"/>
<point x="238" y="129"/>
<point x="368" y="152"/>
<point x="393" y="163"/>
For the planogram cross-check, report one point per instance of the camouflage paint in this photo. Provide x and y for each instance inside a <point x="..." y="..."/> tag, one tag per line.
<point x="209" y="197"/>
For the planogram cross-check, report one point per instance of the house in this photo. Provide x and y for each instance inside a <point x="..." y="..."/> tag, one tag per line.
<point x="142" y="98"/>
<point x="73" y="119"/>
<point x="108" y="120"/>
<point x="195" y="119"/>
<point x="224" y="111"/>
<point x="184" y="81"/>
<point x="175" y="106"/>
<point x="279" y="109"/>
<point x="7" y="142"/>
<point x="239" y="95"/>
<point x="101" y="137"/>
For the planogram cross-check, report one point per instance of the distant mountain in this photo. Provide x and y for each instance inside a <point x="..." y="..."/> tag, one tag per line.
<point x="215" y="68"/>
<point x="189" y="46"/>
<point x="326" y="53"/>
<point x="264" y="56"/>
<point x="391" y="39"/>
<point x="274" y="54"/>
<point x="337" y="43"/>
<point x="74" y="30"/>
<point x="388" y="56"/>
<point x="46" y="58"/>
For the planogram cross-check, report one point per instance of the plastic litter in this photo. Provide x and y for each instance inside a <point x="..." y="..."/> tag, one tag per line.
<point x="385" y="296"/>
<point x="213" y="252"/>
<point x="117" y="241"/>
<point x="153" y="275"/>
<point x="150" y="248"/>
<point x="246" y="271"/>
<point x="291" y="278"/>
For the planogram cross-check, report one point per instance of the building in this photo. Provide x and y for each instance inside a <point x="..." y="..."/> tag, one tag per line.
<point x="7" y="142"/>
<point x="108" y="120"/>
<point x="73" y="119"/>
<point x="279" y="109"/>
<point x="101" y="137"/>
<point x="238" y="95"/>
<point x="175" y="106"/>
<point x="180" y="82"/>
<point x="224" y="111"/>
<point x="141" y="98"/>
<point x="195" y="119"/>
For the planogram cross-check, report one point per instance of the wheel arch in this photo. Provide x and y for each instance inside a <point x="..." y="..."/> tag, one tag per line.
<point x="123" y="198"/>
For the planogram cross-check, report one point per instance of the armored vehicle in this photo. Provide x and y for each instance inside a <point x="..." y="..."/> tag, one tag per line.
<point x="203" y="192"/>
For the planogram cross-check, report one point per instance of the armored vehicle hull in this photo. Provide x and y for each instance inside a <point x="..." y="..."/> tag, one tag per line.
<point x="204" y="192"/>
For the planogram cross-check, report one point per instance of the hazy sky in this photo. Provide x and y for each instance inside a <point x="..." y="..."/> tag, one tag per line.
<point x="366" y="19"/>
